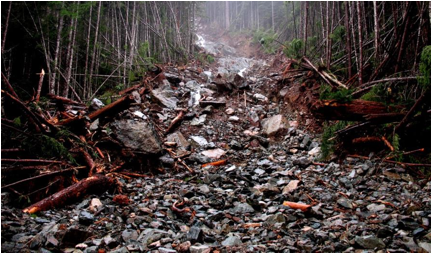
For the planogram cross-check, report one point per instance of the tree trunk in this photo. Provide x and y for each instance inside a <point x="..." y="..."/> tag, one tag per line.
<point x="6" y="26"/>
<point x="227" y="20"/>
<point x="305" y="27"/>
<point x="348" y="40"/>
<point x="92" y="64"/>
<point x="52" y="80"/>
<point x="86" y="80"/>
<point x="377" y="32"/>
<point x="360" y="36"/>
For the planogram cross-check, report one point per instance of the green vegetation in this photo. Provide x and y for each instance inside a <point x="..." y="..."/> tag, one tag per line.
<point x="294" y="49"/>
<point x="266" y="39"/>
<point x="341" y="95"/>
<point x="425" y="67"/>
<point x="327" y="146"/>
<point x="44" y="146"/>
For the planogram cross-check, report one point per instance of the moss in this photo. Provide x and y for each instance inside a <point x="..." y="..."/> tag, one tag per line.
<point x="44" y="146"/>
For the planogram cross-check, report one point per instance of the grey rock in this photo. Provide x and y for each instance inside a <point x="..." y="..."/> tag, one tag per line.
<point x="165" y="95"/>
<point x="199" y="140"/>
<point x="231" y="241"/>
<point x="234" y="144"/>
<point x="345" y="203"/>
<point x="302" y="162"/>
<point x="195" y="234"/>
<point x="199" y="120"/>
<point x="85" y="218"/>
<point x="275" y="125"/>
<point x="272" y="220"/>
<point x="369" y="242"/>
<point x="166" y="250"/>
<point x="137" y="135"/>
<point x="243" y="208"/>
<point x="204" y="189"/>
<point x="129" y="234"/>
<point x="376" y="207"/>
<point x="122" y="249"/>
<point x="179" y="139"/>
<point x="199" y="248"/>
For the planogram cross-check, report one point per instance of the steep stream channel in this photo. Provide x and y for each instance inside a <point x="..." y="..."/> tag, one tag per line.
<point x="241" y="204"/>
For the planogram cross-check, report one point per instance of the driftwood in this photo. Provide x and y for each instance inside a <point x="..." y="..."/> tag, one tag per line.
<point x="72" y="193"/>
<point x="356" y="110"/>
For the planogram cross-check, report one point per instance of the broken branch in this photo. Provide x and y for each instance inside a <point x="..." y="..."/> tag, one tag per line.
<point x="71" y="193"/>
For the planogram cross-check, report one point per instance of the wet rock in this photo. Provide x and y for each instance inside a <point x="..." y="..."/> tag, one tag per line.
<point x="275" y="125"/>
<point x="73" y="236"/>
<point x="85" y="218"/>
<point x="290" y="187"/>
<point x="200" y="248"/>
<point x="200" y="141"/>
<point x="166" y="96"/>
<point x="231" y="241"/>
<point x="96" y="104"/>
<point x="233" y="119"/>
<point x="275" y="220"/>
<point x="234" y="144"/>
<point x="167" y="160"/>
<point x="94" y="125"/>
<point x="95" y="205"/>
<point x="370" y="242"/>
<point x="184" y="247"/>
<point x="229" y="111"/>
<point x="242" y="208"/>
<point x="180" y="140"/>
<point x="194" y="235"/>
<point x="166" y="250"/>
<point x="129" y="234"/>
<point x="137" y="135"/>
<point x="345" y="203"/>
<point x="376" y="207"/>
<point x="425" y="246"/>
<point x="214" y="153"/>
<point x="172" y="78"/>
<point x="195" y="157"/>
<point x="302" y="162"/>
<point x="199" y="120"/>
<point x="151" y="235"/>
<point x="260" y="97"/>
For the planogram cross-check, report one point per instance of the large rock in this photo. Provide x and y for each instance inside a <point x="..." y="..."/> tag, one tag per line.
<point x="165" y="95"/>
<point x="275" y="125"/>
<point x="137" y="135"/>
<point x="370" y="242"/>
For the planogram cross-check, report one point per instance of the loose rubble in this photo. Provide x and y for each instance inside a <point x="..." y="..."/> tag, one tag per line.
<point x="236" y="206"/>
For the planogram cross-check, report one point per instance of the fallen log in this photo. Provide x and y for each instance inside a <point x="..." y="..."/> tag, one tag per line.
<point x="356" y="110"/>
<point x="72" y="193"/>
<point x="64" y="100"/>
<point x="117" y="105"/>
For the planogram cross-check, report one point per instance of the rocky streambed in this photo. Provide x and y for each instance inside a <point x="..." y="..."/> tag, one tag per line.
<point x="239" y="204"/>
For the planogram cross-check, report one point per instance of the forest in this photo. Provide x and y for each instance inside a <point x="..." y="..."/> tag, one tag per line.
<point x="216" y="126"/>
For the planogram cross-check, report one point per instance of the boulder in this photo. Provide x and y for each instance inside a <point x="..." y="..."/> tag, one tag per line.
<point x="275" y="125"/>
